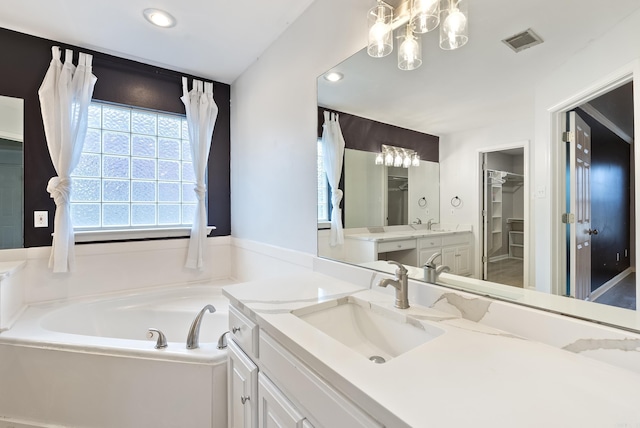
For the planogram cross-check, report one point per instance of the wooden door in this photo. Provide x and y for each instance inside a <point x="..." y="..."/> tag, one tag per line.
<point x="579" y="156"/>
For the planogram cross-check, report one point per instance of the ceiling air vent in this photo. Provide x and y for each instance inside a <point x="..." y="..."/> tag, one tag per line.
<point x="522" y="41"/>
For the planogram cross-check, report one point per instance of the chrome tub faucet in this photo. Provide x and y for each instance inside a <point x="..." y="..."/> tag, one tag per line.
<point x="194" y="330"/>
<point x="401" y="285"/>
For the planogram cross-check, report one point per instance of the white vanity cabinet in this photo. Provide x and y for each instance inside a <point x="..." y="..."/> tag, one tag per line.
<point x="275" y="410"/>
<point x="427" y="247"/>
<point x="269" y="387"/>
<point x="242" y="387"/>
<point x="455" y="249"/>
<point x="456" y="253"/>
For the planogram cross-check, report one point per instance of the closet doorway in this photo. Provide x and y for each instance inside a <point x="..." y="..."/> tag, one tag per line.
<point x="503" y="216"/>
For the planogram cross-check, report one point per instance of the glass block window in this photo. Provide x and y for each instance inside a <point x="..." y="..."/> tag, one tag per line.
<point x="323" y="189"/>
<point x="135" y="171"/>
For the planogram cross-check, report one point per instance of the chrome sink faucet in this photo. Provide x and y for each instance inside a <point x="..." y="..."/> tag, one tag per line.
<point x="431" y="271"/>
<point x="429" y="224"/>
<point x="194" y="330"/>
<point x="401" y="285"/>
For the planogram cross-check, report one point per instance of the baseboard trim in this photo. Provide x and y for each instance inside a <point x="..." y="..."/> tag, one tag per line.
<point x="598" y="292"/>
<point x="498" y="258"/>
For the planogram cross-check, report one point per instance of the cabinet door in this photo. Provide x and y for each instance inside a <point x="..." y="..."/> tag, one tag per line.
<point x="275" y="410"/>
<point x="463" y="262"/>
<point x="426" y="254"/>
<point x="449" y="258"/>
<point x="242" y="387"/>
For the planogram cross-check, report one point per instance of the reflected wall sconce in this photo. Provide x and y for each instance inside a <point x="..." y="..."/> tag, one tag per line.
<point x="397" y="157"/>
<point x="413" y="18"/>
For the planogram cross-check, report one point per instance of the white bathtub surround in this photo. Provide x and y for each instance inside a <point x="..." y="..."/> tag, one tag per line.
<point x="90" y="363"/>
<point x="254" y="260"/>
<point x="470" y="366"/>
<point x="11" y="301"/>
<point x="118" y="266"/>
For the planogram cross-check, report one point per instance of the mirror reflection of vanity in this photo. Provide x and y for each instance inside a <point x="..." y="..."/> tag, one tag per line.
<point x="11" y="172"/>
<point x="485" y="97"/>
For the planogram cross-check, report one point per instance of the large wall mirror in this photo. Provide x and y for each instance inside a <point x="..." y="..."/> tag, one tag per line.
<point x="483" y="103"/>
<point x="11" y="172"/>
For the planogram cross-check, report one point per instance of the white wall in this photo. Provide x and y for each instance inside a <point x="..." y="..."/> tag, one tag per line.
<point x="364" y="187"/>
<point x="464" y="148"/>
<point x="603" y="58"/>
<point x="424" y="183"/>
<point x="273" y="125"/>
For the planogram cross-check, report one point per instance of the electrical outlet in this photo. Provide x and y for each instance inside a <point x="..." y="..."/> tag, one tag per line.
<point x="40" y="219"/>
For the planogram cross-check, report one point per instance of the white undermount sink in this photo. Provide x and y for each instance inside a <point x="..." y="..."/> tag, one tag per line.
<point x="377" y="333"/>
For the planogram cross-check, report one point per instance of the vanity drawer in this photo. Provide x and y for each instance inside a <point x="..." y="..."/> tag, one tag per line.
<point x="243" y="331"/>
<point x="389" y="246"/>
<point x="458" y="238"/>
<point x="427" y="243"/>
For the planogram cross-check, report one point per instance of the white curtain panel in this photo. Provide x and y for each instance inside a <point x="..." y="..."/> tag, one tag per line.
<point x="202" y="113"/>
<point x="333" y="155"/>
<point x="65" y="95"/>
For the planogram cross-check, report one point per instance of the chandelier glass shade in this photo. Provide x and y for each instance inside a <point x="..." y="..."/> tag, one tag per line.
<point x="416" y="17"/>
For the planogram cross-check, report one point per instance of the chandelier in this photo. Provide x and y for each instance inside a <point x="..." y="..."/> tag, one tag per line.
<point x="413" y="18"/>
<point x="397" y="156"/>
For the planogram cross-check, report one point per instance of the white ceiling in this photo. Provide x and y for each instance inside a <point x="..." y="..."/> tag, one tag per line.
<point x="213" y="38"/>
<point x="470" y="87"/>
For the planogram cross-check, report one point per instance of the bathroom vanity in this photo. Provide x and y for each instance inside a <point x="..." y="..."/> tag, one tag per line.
<point x="298" y="359"/>
<point x="413" y="247"/>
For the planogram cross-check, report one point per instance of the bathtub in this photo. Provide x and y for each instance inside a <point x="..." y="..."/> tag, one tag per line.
<point x="90" y="363"/>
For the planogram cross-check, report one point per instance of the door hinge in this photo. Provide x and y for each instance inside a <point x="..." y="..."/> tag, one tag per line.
<point x="568" y="218"/>
<point x="484" y="259"/>
<point x="568" y="137"/>
<point x="484" y="213"/>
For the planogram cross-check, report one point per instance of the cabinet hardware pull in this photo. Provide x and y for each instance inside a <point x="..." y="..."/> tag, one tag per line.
<point x="244" y="398"/>
<point x="235" y="330"/>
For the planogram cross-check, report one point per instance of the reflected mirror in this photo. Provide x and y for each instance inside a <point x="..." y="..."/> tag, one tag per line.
<point x="484" y="104"/>
<point x="11" y="172"/>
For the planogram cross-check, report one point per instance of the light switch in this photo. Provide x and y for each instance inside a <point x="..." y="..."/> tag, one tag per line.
<point x="40" y="219"/>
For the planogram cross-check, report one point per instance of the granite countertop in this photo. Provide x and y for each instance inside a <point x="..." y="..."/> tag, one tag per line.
<point x="610" y="315"/>
<point x="471" y="375"/>
<point x="395" y="233"/>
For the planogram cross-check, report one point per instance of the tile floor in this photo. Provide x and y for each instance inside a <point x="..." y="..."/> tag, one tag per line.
<point x="622" y="295"/>
<point x="506" y="271"/>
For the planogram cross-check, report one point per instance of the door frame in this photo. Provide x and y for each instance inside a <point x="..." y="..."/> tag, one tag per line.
<point x="558" y="121"/>
<point x="524" y="144"/>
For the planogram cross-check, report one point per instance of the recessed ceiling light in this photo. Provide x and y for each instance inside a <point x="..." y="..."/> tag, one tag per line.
<point x="159" y="18"/>
<point x="333" y="76"/>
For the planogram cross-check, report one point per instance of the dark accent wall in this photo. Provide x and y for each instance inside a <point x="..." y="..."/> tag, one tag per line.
<point x="369" y="135"/>
<point x="22" y="68"/>
<point x="610" y="202"/>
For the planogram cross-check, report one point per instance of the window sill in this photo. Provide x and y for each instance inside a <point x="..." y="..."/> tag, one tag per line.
<point x="128" y="234"/>
<point x="324" y="225"/>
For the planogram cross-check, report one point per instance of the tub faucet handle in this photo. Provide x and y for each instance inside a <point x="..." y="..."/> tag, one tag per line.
<point x="222" y="341"/>
<point x="161" y="343"/>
